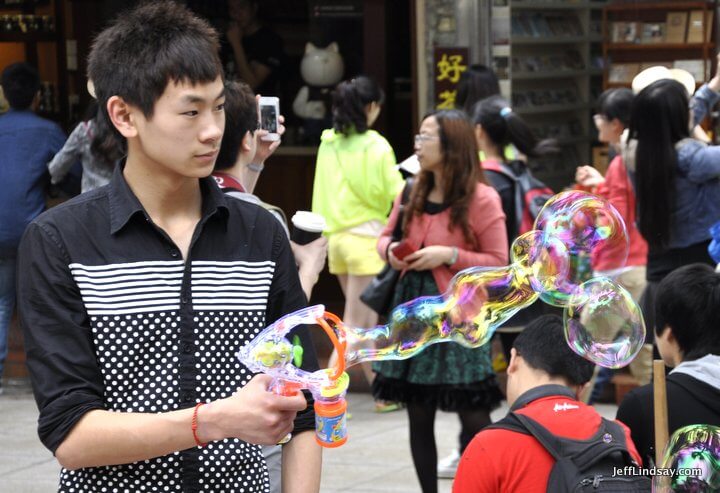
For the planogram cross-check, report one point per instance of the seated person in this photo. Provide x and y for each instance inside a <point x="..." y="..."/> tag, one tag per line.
<point x="545" y="379"/>
<point x="687" y="312"/>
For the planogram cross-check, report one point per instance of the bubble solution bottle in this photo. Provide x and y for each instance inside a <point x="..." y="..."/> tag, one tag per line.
<point x="330" y="413"/>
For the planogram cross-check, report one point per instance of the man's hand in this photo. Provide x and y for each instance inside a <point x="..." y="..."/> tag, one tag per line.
<point x="310" y="259"/>
<point x="265" y="148"/>
<point x="252" y="414"/>
<point x="234" y="34"/>
<point x="429" y="257"/>
<point x="588" y="176"/>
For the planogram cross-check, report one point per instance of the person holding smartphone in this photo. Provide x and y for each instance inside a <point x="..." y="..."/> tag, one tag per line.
<point x="457" y="221"/>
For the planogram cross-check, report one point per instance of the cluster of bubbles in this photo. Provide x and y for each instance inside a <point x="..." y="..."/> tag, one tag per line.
<point x="692" y="455"/>
<point x="602" y="322"/>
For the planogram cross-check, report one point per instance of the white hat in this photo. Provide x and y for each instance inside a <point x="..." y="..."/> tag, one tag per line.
<point x="658" y="72"/>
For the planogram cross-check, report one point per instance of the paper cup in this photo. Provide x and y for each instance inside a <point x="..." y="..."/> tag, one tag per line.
<point x="307" y="227"/>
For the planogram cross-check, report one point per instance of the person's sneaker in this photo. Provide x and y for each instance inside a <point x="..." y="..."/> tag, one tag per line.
<point x="1" y="388"/>
<point x="447" y="467"/>
<point x="387" y="406"/>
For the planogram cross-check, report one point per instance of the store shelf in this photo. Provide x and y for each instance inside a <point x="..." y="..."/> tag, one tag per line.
<point x="543" y="5"/>
<point x="28" y="37"/>
<point x="548" y="41"/>
<point x="549" y="75"/>
<point x="551" y="108"/>
<point x="658" y="6"/>
<point x="657" y="46"/>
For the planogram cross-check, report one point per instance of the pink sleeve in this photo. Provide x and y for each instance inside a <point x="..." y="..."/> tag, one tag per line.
<point x="386" y="235"/>
<point x="488" y="223"/>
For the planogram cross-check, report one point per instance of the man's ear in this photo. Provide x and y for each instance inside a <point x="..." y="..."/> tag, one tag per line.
<point x="121" y="117"/>
<point x="514" y="361"/>
<point x="246" y="143"/>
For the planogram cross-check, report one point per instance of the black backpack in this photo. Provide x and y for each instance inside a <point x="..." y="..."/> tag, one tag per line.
<point x="582" y="465"/>
<point x="530" y="193"/>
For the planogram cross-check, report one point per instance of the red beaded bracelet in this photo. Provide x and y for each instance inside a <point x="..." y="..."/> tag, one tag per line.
<point x="194" y="425"/>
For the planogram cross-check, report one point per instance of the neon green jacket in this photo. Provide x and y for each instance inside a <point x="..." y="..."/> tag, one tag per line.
<point x="355" y="179"/>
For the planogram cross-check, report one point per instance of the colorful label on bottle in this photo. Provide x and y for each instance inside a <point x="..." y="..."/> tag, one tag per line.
<point x="331" y="430"/>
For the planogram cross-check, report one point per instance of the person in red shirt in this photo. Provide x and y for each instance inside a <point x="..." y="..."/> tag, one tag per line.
<point x="544" y="380"/>
<point x="611" y="120"/>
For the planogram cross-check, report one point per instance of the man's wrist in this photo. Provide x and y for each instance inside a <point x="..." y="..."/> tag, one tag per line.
<point x="208" y="429"/>
<point x="256" y="167"/>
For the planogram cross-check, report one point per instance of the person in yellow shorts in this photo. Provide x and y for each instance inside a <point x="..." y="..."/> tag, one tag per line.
<point x="355" y="183"/>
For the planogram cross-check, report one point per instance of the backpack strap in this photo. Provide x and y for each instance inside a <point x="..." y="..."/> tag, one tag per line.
<point x="599" y="445"/>
<point x="507" y="171"/>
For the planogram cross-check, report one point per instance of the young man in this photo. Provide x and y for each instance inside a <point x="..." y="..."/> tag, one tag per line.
<point x="545" y="379"/>
<point x="238" y="167"/>
<point x="687" y="317"/>
<point x="27" y="143"/>
<point x="135" y="297"/>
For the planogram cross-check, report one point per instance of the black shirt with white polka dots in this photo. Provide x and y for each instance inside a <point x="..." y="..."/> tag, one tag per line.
<point x="115" y="319"/>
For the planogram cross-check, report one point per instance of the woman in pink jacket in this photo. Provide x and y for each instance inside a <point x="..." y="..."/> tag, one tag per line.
<point x="456" y="221"/>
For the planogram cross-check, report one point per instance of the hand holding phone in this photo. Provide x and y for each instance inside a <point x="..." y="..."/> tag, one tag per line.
<point x="269" y="112"/>
<point x="403" y="249"/>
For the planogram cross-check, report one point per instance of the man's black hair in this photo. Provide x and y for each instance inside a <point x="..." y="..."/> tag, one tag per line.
<point x="688" y="301"/>
<point x="543" y="346"/>
<point x="146" y="48"/>
<point x="241" y="116"/>
<point x="20" y="83"/>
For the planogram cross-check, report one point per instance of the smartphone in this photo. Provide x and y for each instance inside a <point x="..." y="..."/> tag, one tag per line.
<point x="269" y="113"/>
<point x="403" y="249"/>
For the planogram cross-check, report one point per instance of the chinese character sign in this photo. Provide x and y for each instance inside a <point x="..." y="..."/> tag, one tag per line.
<point x="448" y="65"/>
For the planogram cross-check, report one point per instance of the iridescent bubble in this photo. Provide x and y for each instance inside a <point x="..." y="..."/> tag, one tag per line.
<point x="603" y="323"/>
<point x="584" y="223"/>
<point x="545" y="262"/>
<point x="477" y="302"/>
<point x="693" y="454"/>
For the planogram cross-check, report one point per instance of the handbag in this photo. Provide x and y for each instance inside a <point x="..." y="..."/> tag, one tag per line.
<point x="378" y="295"/>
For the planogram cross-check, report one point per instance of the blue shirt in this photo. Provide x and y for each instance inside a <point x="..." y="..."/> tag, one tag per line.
<point x="27" y="143"/>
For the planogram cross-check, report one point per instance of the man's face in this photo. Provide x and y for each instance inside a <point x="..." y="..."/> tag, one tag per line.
<point x="242" y="12"/>
<point x="184" y="133"/>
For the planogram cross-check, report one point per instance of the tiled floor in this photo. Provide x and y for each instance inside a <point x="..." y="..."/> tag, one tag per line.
<point x="375" y="459"/>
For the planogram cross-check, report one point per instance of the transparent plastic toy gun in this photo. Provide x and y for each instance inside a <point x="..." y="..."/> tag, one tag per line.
<point x="273" y="354"/>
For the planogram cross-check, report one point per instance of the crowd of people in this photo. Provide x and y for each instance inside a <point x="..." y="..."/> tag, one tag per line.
<point x="135" y="296"/>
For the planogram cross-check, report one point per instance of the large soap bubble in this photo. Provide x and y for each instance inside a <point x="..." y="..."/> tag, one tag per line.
<point x="604" y="324"/>
<point x="693" y="457"/>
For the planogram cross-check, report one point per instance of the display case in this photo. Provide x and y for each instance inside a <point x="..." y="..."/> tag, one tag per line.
<point x="32" y="31"/>
<point x="674" y="34"/>
<point x="547" y="55"/>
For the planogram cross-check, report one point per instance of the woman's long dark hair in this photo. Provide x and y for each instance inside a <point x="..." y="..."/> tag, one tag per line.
<point x="460" y="170"/>
<point x="349" y="101"/>
<point x="504" y="127"/>
<point x="476" y="83"/>
<point x="658" y="120"/>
